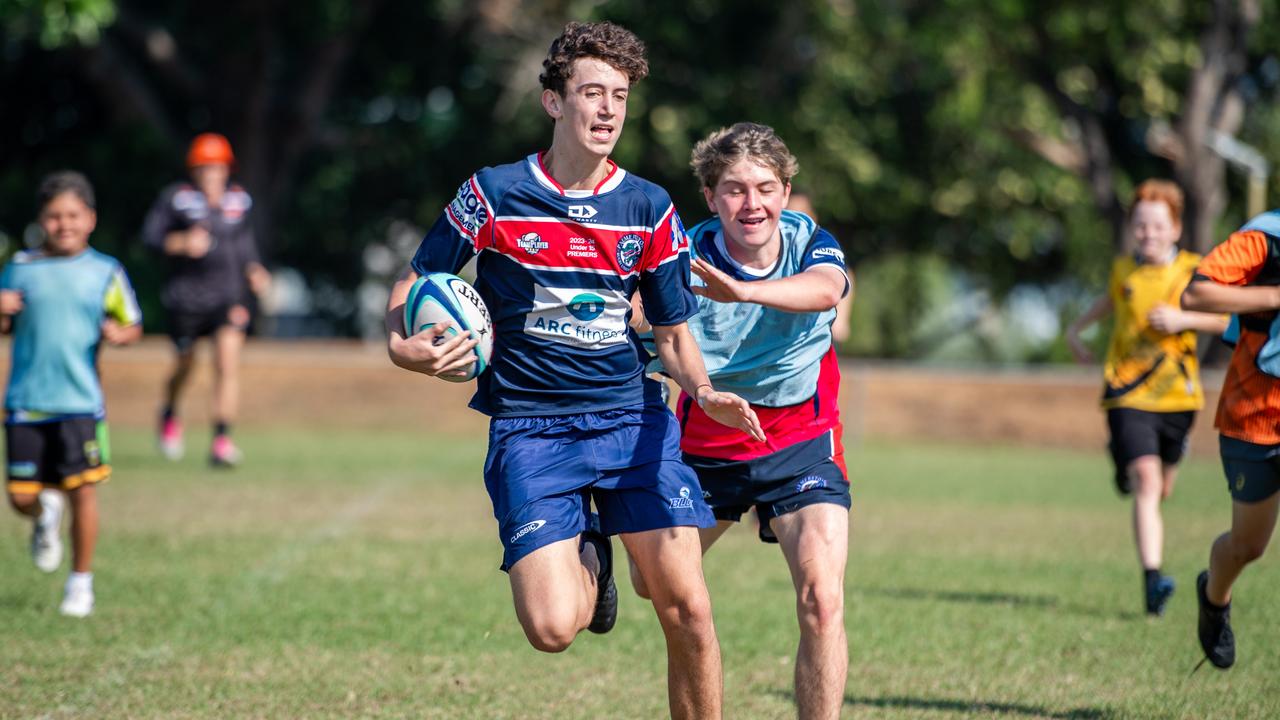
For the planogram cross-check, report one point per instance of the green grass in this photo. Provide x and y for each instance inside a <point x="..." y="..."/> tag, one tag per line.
<point x="355" y="575"/>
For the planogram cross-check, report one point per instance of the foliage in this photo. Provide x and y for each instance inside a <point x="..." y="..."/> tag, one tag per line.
<point x="1002" y="137"/>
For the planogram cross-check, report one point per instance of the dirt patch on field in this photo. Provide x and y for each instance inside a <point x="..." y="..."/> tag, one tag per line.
<point x="332" y="385"/>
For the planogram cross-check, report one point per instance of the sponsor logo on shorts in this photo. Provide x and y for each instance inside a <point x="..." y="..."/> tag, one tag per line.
<point x="22" y="470"/>
<point x="582" y="212"/>
<point x="684" y="502"/>
<point x="630" y="247"/>
<point x="92" y="453"/>
<point x="532" y="243"/>
<point x="811" y="482"/>
<point x="1239" y="482"/>
<point x="527" y="528"/>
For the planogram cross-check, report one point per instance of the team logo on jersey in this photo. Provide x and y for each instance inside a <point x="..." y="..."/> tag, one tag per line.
<point x="811" y="482"/>
<point x="190" y="205"/>
<point x="526" y="529"/>
<point x="468" y="211"/>
<point x="630" y="246"/>
<point x="678" y="235"/>
<point x="586" y="307"/>
<point x="828" y="252"/>
<point x="531" y="243"/>
<point x="582" y="212"/>
<point x="684" y="502"/>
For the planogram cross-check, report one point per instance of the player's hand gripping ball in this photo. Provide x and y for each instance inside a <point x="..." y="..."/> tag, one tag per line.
<point x="441" y="297"/>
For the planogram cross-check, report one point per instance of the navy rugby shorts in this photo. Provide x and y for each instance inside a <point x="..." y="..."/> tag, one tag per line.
<point x="543" y="472"/>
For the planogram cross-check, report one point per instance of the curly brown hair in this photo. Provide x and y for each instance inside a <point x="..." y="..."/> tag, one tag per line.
<point x="614" y="44"/>
<point x="745" y="140"/>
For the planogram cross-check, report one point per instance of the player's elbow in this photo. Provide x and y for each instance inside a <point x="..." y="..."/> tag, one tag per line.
<point x="1193" y="298"/>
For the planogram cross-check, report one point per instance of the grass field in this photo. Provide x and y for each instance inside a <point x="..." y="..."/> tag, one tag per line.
<point x="356" y="576"/>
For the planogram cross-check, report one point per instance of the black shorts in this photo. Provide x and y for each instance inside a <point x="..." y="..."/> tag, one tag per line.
<point x="1252" y="470"/>
<point x="1138" y="433"/>
<point x="187" y="327"/>
<point x="782" y="482"/>
<point x="60" y="453"/>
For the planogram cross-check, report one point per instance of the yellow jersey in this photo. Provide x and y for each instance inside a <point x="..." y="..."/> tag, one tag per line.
<point x="1147" y="369"/>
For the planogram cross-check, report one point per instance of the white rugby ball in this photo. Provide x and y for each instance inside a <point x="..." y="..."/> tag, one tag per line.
<point x="441" y="297"/>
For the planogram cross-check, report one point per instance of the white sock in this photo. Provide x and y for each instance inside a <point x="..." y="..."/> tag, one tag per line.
<point x="79" y="580"/>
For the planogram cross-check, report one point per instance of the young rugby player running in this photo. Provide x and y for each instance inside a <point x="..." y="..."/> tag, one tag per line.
<point x="1152" y="375"/>
<point x="1242" y="275"/>
<point x="771" y="279"/>
<point x="61" y="301"/>
<point x="204" y="230"/>
<point x="564" y="238"/>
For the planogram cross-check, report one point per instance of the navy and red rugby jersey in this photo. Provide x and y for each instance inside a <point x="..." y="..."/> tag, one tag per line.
<point x="557" y="269"/>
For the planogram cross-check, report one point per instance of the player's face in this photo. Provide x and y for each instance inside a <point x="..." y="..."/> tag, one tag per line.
<point x="593" y="108"/>
<point x="211" y="179"/>
<point x="67" y="224"/>
<point x="1154" y="231"/>
<point x="749" y="199"/>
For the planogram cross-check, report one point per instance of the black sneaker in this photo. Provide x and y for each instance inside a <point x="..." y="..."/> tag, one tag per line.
<point x="1122" y="482"/>
<point x="606" y="613"/>
<point x="1158" y="594"/>
<point x="1216" y="638"/>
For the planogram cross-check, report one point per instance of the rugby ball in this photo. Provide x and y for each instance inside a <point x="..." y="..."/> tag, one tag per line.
<point x="441" y="297"/>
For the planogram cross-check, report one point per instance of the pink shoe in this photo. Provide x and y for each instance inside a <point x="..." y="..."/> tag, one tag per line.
<point x="224" y="453"/>
<point x="170" y="440"/>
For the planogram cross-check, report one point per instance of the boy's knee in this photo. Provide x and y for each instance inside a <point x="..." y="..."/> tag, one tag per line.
<point x="690" y="612"/>
<point x="821" y="606"/>
<point x="23" y="502"/>
<point x="1249" y="550"/>
<point x="549" y="634"/>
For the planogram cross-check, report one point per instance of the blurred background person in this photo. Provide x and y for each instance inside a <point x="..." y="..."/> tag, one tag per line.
<point x="1152" y="384"/>
<point x="61" y="300"/>
<point x="203" y="229"/>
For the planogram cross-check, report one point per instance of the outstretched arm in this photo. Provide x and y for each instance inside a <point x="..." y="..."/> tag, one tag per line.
<point x="1208" y="296"/>
<point x="1098" y="310"/>
<point x="817" y="289"/>
<point x="682" y="360"/>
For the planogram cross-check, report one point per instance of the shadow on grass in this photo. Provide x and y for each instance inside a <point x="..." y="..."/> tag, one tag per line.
<point x="997" y="598"/>
<point x="975" y="707"/>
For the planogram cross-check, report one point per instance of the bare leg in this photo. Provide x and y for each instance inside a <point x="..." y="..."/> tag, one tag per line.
<point x="554" y="589"/>
<point x="815" y="542"/>
<point x="84" y="526"/>
<point x="671" y="565"/>
<point x="1251" y="528"/>
<point x="707" y="536"/>
<point x="183" y="362"/>
<point x="1147" y="477"/>
<point x="227" y="342"/>
<point x="26" y="504"/>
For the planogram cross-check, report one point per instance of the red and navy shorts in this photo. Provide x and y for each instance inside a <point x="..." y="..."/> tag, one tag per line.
<point x="800" y="464"/>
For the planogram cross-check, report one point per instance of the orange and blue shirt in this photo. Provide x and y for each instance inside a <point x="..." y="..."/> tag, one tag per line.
<point x="1249" y="406"/>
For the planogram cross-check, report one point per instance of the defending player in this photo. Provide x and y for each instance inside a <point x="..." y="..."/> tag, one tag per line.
<point x="60" y="301"/>
<point x="770" y="282"/>
<point x="564" y="238"/>
<point x="204" y="230"/>
<point x="1242" y="275"/>
<point x="1152" y="375"/>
